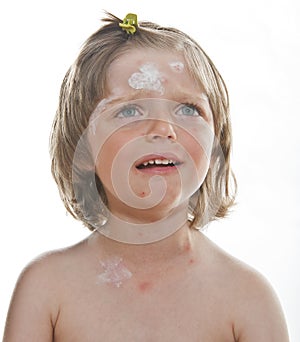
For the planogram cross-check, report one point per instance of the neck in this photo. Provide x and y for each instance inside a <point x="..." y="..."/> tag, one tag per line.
<point x="148" y="247"/>
<point x="142" y="232"/>
<point x="180" y="248"/>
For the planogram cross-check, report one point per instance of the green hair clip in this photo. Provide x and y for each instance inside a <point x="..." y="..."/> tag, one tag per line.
<point x="129" y="23"/>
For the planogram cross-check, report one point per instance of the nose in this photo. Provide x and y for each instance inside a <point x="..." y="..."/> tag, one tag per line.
<point x="160" y="129"/>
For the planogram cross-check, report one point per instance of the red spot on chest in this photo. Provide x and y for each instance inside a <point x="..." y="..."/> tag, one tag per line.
<point x="145" y="286"/>
<point x="187" y="247"/>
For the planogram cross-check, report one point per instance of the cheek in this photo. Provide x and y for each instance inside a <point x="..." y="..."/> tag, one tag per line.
<point x="106" y="156"/>
<point x="103" y="167"/>
<point x="115" y="160"/>
<point x="198" y="143"/>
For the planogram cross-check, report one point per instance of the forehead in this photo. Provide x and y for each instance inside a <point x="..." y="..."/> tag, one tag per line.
<point x="158" y="72"/>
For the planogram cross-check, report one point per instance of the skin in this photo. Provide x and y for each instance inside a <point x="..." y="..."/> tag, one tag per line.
<point x="182" y="288"/>
<point x="162" y="129"/>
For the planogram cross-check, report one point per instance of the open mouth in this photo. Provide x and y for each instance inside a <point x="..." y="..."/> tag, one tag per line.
<point x="157" y="163"/>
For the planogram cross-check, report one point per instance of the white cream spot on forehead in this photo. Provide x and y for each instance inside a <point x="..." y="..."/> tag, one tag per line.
<point x="149" y="78"/>
<point x="177" y="66"/>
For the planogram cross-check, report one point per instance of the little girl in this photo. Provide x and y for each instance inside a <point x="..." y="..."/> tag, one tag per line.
<point x="140" y="152"/>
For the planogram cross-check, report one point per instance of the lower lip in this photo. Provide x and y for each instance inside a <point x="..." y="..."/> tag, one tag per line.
<point x="159" y="169"/>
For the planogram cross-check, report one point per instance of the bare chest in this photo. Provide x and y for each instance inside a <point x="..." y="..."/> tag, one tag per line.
<point x="144" y="312"/>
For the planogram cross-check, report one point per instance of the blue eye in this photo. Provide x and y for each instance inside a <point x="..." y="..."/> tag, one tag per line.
<point x="188" y="110"/>
<point x="128" y="112"/>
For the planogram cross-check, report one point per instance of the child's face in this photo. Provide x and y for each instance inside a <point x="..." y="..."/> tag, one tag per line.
<point x="152" y="135"/>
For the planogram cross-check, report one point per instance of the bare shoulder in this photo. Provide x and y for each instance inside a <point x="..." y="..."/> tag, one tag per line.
<point x="49" y="267"/>
<point x="257" y="312"/>
<point x="52" y="269"/>
<point x="35" y="303"/>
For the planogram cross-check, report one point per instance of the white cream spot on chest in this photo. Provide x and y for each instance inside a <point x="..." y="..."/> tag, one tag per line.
<point x="114" y="273"/>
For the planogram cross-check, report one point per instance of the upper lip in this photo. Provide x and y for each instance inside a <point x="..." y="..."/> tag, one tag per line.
<point x="158" y="156"/>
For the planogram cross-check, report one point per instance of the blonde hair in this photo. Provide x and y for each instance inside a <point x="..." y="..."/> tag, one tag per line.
<point x="84" y="86"/>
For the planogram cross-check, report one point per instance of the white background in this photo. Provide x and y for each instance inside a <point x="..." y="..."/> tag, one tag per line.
<point x="256" y="47"/>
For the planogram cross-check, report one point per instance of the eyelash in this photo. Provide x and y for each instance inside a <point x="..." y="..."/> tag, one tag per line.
<point x="129" y="107"/>
<point x="194" y="106"/>
<point x="137" y="109"/>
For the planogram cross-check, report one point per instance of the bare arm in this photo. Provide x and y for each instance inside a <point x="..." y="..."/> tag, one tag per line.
<point x="260" y="315"/>
<point x="33" y="311"/>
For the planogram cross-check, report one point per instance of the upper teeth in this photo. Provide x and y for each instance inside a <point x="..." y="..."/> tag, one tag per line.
<point x="158" y="162"/>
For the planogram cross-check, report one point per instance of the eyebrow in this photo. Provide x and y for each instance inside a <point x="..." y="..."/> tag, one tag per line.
<point x="175" y="96"/>
<point x="200" y="98"/>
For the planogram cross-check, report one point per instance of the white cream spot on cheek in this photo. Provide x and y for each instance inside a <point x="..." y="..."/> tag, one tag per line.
<point x="114" y="272"/>
<point x="148" y="78"/>
<point x="177" y="66"/>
